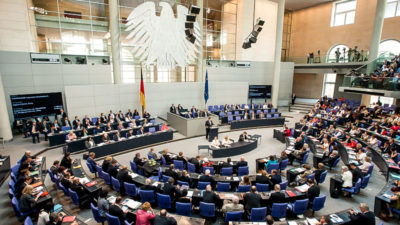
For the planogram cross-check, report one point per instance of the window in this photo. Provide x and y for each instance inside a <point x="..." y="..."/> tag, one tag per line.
<point x="343" y="12"/>
<point x="383" y="100"/>
<point x="329" y="85"/>
<point x="331" y="56"/>
<point x="390" y="48"/>
<point x="392" y="8"/>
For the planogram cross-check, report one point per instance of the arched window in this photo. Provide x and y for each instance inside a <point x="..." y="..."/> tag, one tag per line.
<point x="331" y="56"/>
<point x="389" y="48"/>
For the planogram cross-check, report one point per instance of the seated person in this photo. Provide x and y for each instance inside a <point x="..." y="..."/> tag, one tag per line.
<point x="207" y="178"/>
<point x="180" y="157"/>
<point x="153" y="154"/>
<point x="120" y="126"/>
<point x="108" y="127"/>
<point x="113" y="169"/>
<point x="215" y="143"/>
<point x="130" y="134"/>
<point x="263" y="178"/>
<point x="226" y="142"/>
<point x="302" y="178"/>
<point x="252" y="199"/>
<point x="116" y="210"/>
<point x="347" y="178"/>
<point x="357" y="174"/>
<point x="139" y="161"/>
<point x="228" y="163"/>
<point x="106" y="163"/>
<point x="140" y="131"/>
<point x="71" y="135"/>
<point x="312" y="192"/>
<point x="318" y="171"/>
<point x="89" y="143"/>
<point x="242" y="162"/>
<point x="332" y="158"/>
<point x="184" y="176"/>
<point x="287" y="131"/>
<point x="209" y="196"/>
<point x="66" y="161"/>
<point x="167" y="157"/>
<point x="106" y="138"/>
<point x="28" y="200"/>
<point x="164" y="127"/>
<point x="366" y="165"/>
<point x="171" y="172"/>
<point x="277" y="196"/>
<point x="83" y="197"/>
<point x="365" y="217"/>
<point x="148" y="186"/>
<point x="245" y="181"/>
<point x="298" y="154"/>
<point x="232" y="206"/>
<point x="275" y="177"/>
<point x="164" y="219"/>
<point x="243" y="137"/>
<point x="270" y="161"/>
<point x="171" y="190"/>
<point x="98" y="130"/>
<point x="124" y="177"/>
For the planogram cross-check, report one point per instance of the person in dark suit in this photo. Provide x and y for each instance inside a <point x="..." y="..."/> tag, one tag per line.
<point x="66" y="180"/>
<point x="171" y="172"/>
<point x="293" y="98"/>
<point x="66" y="161"/>
<point x="75" y="122"/>
<point x="172" y="109"/>
<point x="167" y="157"/>
<point x="139" y="161"/>
<point x="91" y="161"/>
<point x="357" y="173"/>
<point x="270" y="106"/>
<point x="116" y="210"/>
<point x="89" y="143"/>
<point x="196" y="162"/>
<point x="120" y="116"/>
<point x="312" y="192"/>
<point x="146" y="115"/>
<point x="83" y="196"/>
<point x="183" y="198"/>
<point x="45" y="129"/>
<point x="111" y="117"/>
<point x="277" y="196"/>
<point x="275" y="177"/>
<point x="62" y="114"/>
<point x="193" y="110"/>
<point x="263" y="179"/>
<point x="243" y="137"/>
<point x="207" y="178"/>
<point x="148" y="186"/>
<point x="106" y="163"/>
<point x="319" y="171"/>
<point x="171" y="190"/>
<point x="20" y="188"/>
<point x="332" y="158"/>
<point x="184" y="176"/>
<point x="180" y="157"/>
<point x="86" y="122"/>
<point x="163" y="219"/>
<point x="103" y="119"/>
<point x="97" y="130"/>
<point x="209" y="196"/>
<point x="35" y="131"/>
<point x="65" y="122"/>
<point x="252" y="199"/>
<point x="123" y="176"/>
<point x="242" y="162"/>
<point x="28" y="201"/>
<point x="129" y="114"/>
<point x="140" y="131"/>
<point x="208" y="125"/>
<point x="228" y="163"/>
<point x="112" y="169"/>
<point x="366" y="217"/>
<point x="179" y="108"/>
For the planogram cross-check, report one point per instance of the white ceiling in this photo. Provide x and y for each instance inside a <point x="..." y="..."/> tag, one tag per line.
<point x="294" y="5"/>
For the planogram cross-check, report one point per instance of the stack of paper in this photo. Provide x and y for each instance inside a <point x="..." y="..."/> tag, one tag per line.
<point x="132" y="204"/>
<point x="190" y="194"/>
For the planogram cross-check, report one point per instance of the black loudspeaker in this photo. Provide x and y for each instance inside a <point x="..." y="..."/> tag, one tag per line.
<point x="259" y="29"/>
<point x="194" y="9"/>
<point x="105" y="61"/>
<point x="254" y="33"/>
<point x="253" y="40"/>
<point x="67" y="60"/>
<point x="260" y="22"/>
<point x="80" y="60"/>
<point x="191" y="38"/>
<point x="246" y="45"/>
<point x="190" y="18"/>
<point x="188" y="32"/>
<point x="189" y="25"/>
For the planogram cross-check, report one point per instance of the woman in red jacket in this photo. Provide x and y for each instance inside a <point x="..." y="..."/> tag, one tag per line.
<point x="143" y="217"/>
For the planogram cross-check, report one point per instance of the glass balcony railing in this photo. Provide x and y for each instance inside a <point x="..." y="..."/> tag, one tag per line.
<point x="379" y="83"/>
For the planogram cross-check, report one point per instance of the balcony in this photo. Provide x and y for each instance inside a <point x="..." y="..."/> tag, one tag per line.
<point x="388" y="87"/>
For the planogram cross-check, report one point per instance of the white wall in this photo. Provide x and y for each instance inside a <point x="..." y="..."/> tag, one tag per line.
<point x="259" y="73"/>
<point x="22" y="77"/>
<point x="159" y="96"/>
<point x="264" y="49"/>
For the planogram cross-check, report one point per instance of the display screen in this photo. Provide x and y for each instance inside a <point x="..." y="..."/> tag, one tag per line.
<point x="34" y="105"/>
<point x="260" y="91"/>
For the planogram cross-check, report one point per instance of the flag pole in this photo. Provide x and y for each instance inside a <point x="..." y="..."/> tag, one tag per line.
<point x="141" y="89"/>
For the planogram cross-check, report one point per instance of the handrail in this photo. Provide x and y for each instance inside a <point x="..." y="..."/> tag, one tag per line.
<point x="368" y="62"/>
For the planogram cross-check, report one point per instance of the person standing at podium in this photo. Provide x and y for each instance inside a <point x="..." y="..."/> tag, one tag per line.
<point x="209" y="123"/>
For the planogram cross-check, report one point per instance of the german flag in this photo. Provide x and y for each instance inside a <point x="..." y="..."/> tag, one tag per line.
<point x="142" y="97"/>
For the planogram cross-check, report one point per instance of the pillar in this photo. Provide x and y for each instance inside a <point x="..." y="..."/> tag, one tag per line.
<point x="277" y="56"/>
<point x="200" y="61"/>
<point x="376" y="35"/>
<point x="115" y="40"/>
<point x="5" y="127"/>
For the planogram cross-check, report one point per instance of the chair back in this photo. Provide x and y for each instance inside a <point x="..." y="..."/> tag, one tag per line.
<point x="165" y="178"/>
<point x="191" y="167"/>
<point x="223" y="187"/>
<point x="262" y="187"/>
<point x="283" y="165"/>
<point x="152" y="129"/>
<point x="336" y="162"/>
<point x="149" y="157"/>
<point x="181" y="183"/>
<point x="230" y="118"/>
<point x="178" y="165"/>
<point x="258" y="214"/>
<point x="13" y="177"/>
<point x="164" y="162"/>
<point x="133" y="166"/>
<point x="99" y="170"/>
<point x="243" y="171"/>
<point x="146" y="196"/>
<point x="11" y="185"/>
<point x="311" y="176"/>
<point x="74" y="196"/>
<point x="318" y="203"/>
<point x="184" y="209"/>
<point x="278" y="210"/>
<point x="28" y="221"/>
<point x="137" y="117"/>
<point x="10" y="193"/>
<point x="305" y="158"/>
<point x="273" y="166"/>
<point x="202" y="185"/>
<point x="243" y="188"/>
<point x="357" y="186"/>
<point x="96" y="214"/>
<point x="112" y="220"/>
<point x="207" y="209"/>
<point x="227" y="171"/>
<point x="15" y="205"/>
<point x="283" y="185"/>
<point x="370" y="169"/>
<point x="237" y="118"/>
<point x="63" y="189"/>
<point x="50" y="174"/>
<point x="300" y="206"/>
<point x="233" y="216"/>
<point x="106" y="177"/>
<point x="14" y="169"/>
<point x="272" y="110"/>
<point x="164" y="201"/>
<point x="322" y="177"/>
<point x="130" y="189"/>
<point x="212" y="172"/>
<point x="91" y="169"/>
<point x="115" y="184"/>
<point x="365" y="181"/>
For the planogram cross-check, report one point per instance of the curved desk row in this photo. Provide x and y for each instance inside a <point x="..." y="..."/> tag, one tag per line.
<point x="5" y="167"/>
<point x="90" y="185"/>
<point x="59" y="138"/>
<point x="135" y="142"/>
<point x="239" y="124"/>
<point x="237" y="148"/>
<point x="224" y="119"/>
<point x="79" y="144"/>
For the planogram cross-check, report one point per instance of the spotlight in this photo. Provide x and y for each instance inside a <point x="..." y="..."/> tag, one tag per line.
<point x="105" y="61"/>
<point x="188" y="32"/>
<point x="67" y="60"/>
<point x="246" y="45"/>
<point x="189" y="25"/>
<point x="191" y="38"/>
<point x="254" y="33"/>
<point x="253" y="39"/>
<point x="194" y="10"/>
<point x="190" y="18"/>
<point x="80" y="60"/>
<point x="259" y="29"/>
<point x="260" y="22"/>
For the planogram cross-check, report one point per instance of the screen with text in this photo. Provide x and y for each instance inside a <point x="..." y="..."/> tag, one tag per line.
<point x="34" y="105"/>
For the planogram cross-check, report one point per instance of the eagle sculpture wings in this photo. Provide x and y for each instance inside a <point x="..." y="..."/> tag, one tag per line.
<point x="161" y="40"/>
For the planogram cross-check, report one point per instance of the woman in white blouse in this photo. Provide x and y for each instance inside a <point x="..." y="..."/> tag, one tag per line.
<point x="347" y="178"/>
<point x="373" y="140"/>
<point x="226" y="141"/>
<point x="365" y="166"/>
<point x="215" y="142"/>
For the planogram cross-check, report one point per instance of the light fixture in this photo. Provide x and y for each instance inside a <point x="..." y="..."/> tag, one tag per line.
<point x="194" y="10"/>
<point x="252" y="38"/>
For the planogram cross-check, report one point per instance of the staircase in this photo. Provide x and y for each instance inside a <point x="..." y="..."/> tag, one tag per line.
<point x="303" y="108"/>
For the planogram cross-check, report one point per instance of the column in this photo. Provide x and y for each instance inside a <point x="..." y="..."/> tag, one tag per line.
<point x="5" y="128"/>
<point x="277" y="57"/>
<point x="200" y="62"/>
<point x="115" y="40"/>
<point x="376" y="35"/>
